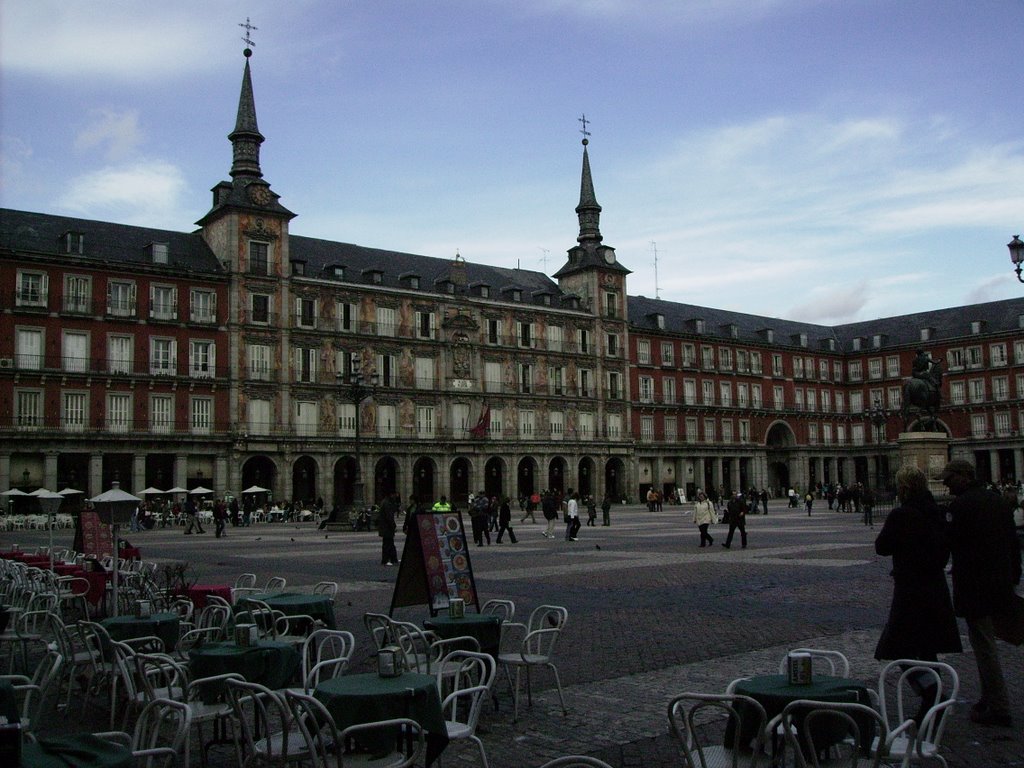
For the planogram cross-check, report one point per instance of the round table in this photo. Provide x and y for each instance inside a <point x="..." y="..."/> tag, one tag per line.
<point x="84" y="750"/>
<point x="166" y="626"/>
<point x="268" y="663"/>
<point x="367" y="698"/>
<point x="484" y="627"/>
<point x="320" y="607"/>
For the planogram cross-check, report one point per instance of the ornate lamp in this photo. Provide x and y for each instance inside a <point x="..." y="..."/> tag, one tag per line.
<point x="49" y="503"/>
<point x="115" y="507"/>
<point x="1016" y="247"/>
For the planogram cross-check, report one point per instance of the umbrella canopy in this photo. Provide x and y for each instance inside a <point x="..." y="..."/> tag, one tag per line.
<point x="256" y="489"/>
<point x="199" y="491"/>
<point x="13" y="492"/>
<point x="150" y="491"/>
<point x="115" y="494"/>
<point x="177" y="489"/>
<point x="69" y="492"/>
<point x="40" y="492"/>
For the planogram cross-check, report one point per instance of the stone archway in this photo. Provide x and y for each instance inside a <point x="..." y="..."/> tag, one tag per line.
<point x="526" y="477"/>
<point x="423" y="473"/>
<point x="305" y="477"/>
<point x="385" y="479"/>
<point x="586" y="474"/>
<point x="261" y="471"/>
<point x="494" y="478"/>
<point x="557" y="471"/>
<point x="458" y="481"/>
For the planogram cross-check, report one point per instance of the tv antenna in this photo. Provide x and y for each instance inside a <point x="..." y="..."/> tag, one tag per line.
<point x="654" y="250"/>
<point x="544" y="257"/>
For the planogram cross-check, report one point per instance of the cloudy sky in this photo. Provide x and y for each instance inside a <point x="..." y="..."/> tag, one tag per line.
<point x="820" y="160"/>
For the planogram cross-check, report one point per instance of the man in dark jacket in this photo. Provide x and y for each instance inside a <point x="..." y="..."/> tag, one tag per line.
<point x="736" y="517"/>
<point x="986" y="565"/>
<point x="386" y="526"/>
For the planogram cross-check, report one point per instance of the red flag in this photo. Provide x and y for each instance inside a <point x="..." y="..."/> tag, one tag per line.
<point x="483" y="423"/>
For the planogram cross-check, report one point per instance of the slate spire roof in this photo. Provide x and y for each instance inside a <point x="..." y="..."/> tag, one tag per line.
<point x="246" y="138"/>
<point x="588" y="211"/>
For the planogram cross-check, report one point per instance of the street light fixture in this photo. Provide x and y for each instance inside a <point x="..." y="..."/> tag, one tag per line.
<point x="879" y="416"/>
<point x="115" y="508"/>
<point x="1016" y="247"/>
<point x="357" y="387"/>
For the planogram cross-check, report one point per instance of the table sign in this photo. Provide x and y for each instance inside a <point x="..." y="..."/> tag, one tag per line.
<point x="800" y="668"/>
<point x="389" y="661"/>
<point x="245" y="635"/>
<point x="456" y="608"/>
<point x="143" y="608"/>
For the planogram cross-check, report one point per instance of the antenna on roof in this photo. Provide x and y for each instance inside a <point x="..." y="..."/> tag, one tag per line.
<point x="654" y="248"/>
<point x="544" y="258"/>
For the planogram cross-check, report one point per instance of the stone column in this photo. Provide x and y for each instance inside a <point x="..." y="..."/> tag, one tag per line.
<point x="181" y="470"/>
<point x="96" y="474"/>
<point x="5" y="471"/>
<point x="993" y="460"/>
<point x="927" y="451"/>
<point x="221" y="481"/>
<point x="138" y="473"/>
<point x="50" y="471"/>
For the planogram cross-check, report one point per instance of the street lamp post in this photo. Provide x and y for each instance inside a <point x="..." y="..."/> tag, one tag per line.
<point x="357" y="387"/>
<point x="879" y="416"/>
<point x="1016" y="247"/>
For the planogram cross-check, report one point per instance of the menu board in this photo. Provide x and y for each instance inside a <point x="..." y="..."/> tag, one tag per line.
<point x="435" y="563"/>
<point x="96" y="536"/>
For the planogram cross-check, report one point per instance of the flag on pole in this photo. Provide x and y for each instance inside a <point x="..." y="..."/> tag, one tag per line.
<point x="483" y="423"/>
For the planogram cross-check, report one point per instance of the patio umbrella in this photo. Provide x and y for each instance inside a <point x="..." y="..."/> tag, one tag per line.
<point x="177" y="489"/>
<point x="199" y="491"/>
<point x="151" y="490"/>
<point x="13" y="492"/>
<point x="256" y="489"/>
<point x="116" y="505"/>
<point x="69" y="492"/>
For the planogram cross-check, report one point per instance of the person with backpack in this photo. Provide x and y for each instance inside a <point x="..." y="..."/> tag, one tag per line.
<point x="505" y="520"/>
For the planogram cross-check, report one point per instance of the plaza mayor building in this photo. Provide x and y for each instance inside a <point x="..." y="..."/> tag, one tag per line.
<point x="239" y="354"/>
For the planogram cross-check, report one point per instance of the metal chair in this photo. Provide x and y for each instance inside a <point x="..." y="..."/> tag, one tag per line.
<point x="469" y="677"/>
<point x="842" y="731"/>
<point x="900" y="684"/>
<point x="159" y="736"/>
<point x="269" y="733"/>
<point x="575" y="761"/>
<point x="35" y="691"/>
<point x="317" y="728"/>
<point x="536" y="649"/>
<point x="701" y="721"/>
<point x="405" y="734"/>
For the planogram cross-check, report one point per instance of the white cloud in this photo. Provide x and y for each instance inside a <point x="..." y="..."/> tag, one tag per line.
<point x="835" y="304"/>
<point x="146" y="193"/>
<point x="118" y="132"/>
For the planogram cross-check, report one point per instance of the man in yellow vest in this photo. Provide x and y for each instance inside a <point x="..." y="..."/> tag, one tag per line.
<point x="442" y="505"/>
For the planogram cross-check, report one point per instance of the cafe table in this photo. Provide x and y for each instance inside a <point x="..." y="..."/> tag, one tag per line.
<point x="83" y="750"/>
<point x="774" y="692"/>
<point x="166" y="626"/>
<point x="9" y="702"/>
<point x="484" y="627"/>
<point x="368" y="698"/>
<point x="197" y="593"/>
<point x="320" y="607"/>
<point x="268" y="662"/>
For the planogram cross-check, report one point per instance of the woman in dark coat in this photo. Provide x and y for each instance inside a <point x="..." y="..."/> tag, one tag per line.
<point x="921" y="622"/>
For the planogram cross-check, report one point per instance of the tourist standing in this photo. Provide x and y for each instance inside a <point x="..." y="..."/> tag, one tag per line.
<point x="386" y="526"/>
<point x="703" y="516"/>
<point x="591" y="511"/>
<point x="572" y="517"/>
<point x="606" y="510"/>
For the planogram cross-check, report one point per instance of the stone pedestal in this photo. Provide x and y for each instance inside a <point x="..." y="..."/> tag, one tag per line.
<point x="929" y="452"/>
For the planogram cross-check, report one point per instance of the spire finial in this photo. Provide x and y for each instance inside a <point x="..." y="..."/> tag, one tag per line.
<point x="583" y="119"/>
<point x="249" y="29"/>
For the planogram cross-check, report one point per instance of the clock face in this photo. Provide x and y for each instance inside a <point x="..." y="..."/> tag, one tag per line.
<point x="609" y="256"/>
<point x="259" y="194"/>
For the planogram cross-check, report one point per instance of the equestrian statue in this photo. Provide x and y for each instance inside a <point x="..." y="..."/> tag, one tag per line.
<point x="922" y="391"/>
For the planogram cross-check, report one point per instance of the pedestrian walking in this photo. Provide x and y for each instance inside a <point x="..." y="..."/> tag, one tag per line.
<point x="703" y="516"/>
<point x="809" y="502"/>
<point x="606" y="510"/>
<point x="387" y="524"/>
<point x="591" y="511"/>
<point x="572" y="517"/>
<point x="867" y="501"/>
<point x="736" y="516"/>
<point x="549" y="508"/>
<point x="532" y="501"/>
<point x="192" y="517"/>
<point x="505" y="520"/>
<point x="220" y="518"/>
<point x="764" y="501"/>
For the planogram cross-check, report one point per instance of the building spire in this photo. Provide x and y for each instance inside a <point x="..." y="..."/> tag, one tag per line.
<point x="246" y="138"/>
<point x="588" y="211"/>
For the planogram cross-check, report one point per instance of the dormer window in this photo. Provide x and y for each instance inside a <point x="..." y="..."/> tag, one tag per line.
<point x="485" y="291"/>
<point x="799" y="339"/>
<point x="857" y="344"/>
<point x="517" y="294"/>
<point x="659" y="321"/>
<point x="72" y="242"/>
<point x="877" y="340"/>
<point x="159" y="252"/>
<point x="696" y="325"/>
<point x="409" y="280"/>
<point x="375" y="276"/>
<point x="927" y="333"/>
<point x="298" y="267"/>
<point x="767" y="334"/>
<point x="338" y="272"/>
<point x="977" y="326"/>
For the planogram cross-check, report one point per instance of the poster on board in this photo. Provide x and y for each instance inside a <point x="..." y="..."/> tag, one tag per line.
<point x="436" y="566"/>
<point x="96" y="536"/>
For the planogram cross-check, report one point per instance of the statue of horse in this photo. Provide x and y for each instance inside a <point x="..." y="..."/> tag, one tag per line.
<point x="923" y="397"/>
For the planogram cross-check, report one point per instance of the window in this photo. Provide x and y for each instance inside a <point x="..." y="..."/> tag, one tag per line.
<point x="798" y="367"/>
<point x="892" y="366"/>
<point x="707" y="358"/>
<point x="1020" y="386"/>
<point x="259" y="258"/>
<point x="755" y="396"/>
<point x="556" y="380"/>
<point x="347" y="420"/>
<point x="77" y="294"/>
<point x="202" y="359"/>
<point x="777" y="365"/>
<point x="75" y="351"/>
<point x="954" y="359"/>
<point x="202" y="306"/>
<point x="492" y="377"/>
<point x="387" y="370"/>
<point x="875" y="368"/>
<point x="304" y="362"/>
<point x="647" y="429"/>
<point x="493" y="330"/>
<point x="812" y="434"/>
<point x="495" y="427"/>
<point x="524" y="334"/>
<point x="614" y="381"/>
<point x="525" y="378"/>
<point x="387" y="321"/>
<point x="997" y="354"/>
<point x="119" y="412"/>
<point x="741" y="361"/>
<point x="424" y="422"/>
<point x="1018" y="352"/>
<point x="812" y="400"/>
<point x="895" y="398"/>
<point x="387" y="421"/>
<point x="689" y="355"/>
<point x="823" y="370"/>
<point x="855" y="370"/>
<point x="798" y="399"/>
<point x="956" y="392"/>
<point x="28" y="348"/>
<point x="646" y="389"/>
<point x="74" y="410"/>
<point x="555" y="338"/>
<point x="32" y="289"/>
<point x="857" y="434"/>
<point x="837" y="372"/>
<point x="526" y="424"/>
<point x="755" y="363"/>
<point x="586" y="426"/>
<point x="202" y="415"/>
<point x="611" y="345"/>
<point x="840" y="401"/>
<point x="120" y="298"/>
<point x="709" y="430"/>
<point x="726" y="430"/>
<point x="643" y="352"/>
<point x="425" y="374"/>
<point x="29" y="408"/>
<point x="119" y="354"/>
<point x="556" y="425"/>
<point x="1000" y="388"/>
<point x="259" y="362"/>
<point x="305" y="313"/>
<point x="614" y="422"/>
<point x="724" y="359"/>
<point x="826" y="434"/>
<point x="671" y="429"/>
<point x="976" y="388"/>
<point x="586" y="383"/>
<point x="826" y="400"/>
<point x="778" y="398"/>
<point x="583" y="340"/>
<point x="707" y="392"/>
<point x="1002" y="423"/>
<point x="725" y="393"/>
<point x="259" y="417"/>
<point x="611" y="304"/>
<point x="668" y="391"/>
<point x="424" y="325"/>
<point x="163" y="357"/>
<point x="260" y="304"/>
<point x="742" y="395"/>
<point x="974" y="359"/>
<point x="744" y="431"/>
<point x="979" y="425"/>
<point x="163" y="302"/>
<point x="691" y="430"/>
<point x="347" y="314"/>
<point x="668" y="353"/>
<point x="161" y="413"/>
<point x="689" y="392"/>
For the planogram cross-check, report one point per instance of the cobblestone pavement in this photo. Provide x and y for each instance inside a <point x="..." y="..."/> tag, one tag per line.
<point x="650" y="615"/>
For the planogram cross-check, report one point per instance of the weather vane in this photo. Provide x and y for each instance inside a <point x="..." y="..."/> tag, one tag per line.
<point x="249" y="29"/>
<point x="584" y="131"/>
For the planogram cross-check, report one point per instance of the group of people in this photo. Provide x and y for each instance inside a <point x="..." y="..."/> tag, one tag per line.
<point x="977" y="530"/>
<point x="705" y="515"/>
